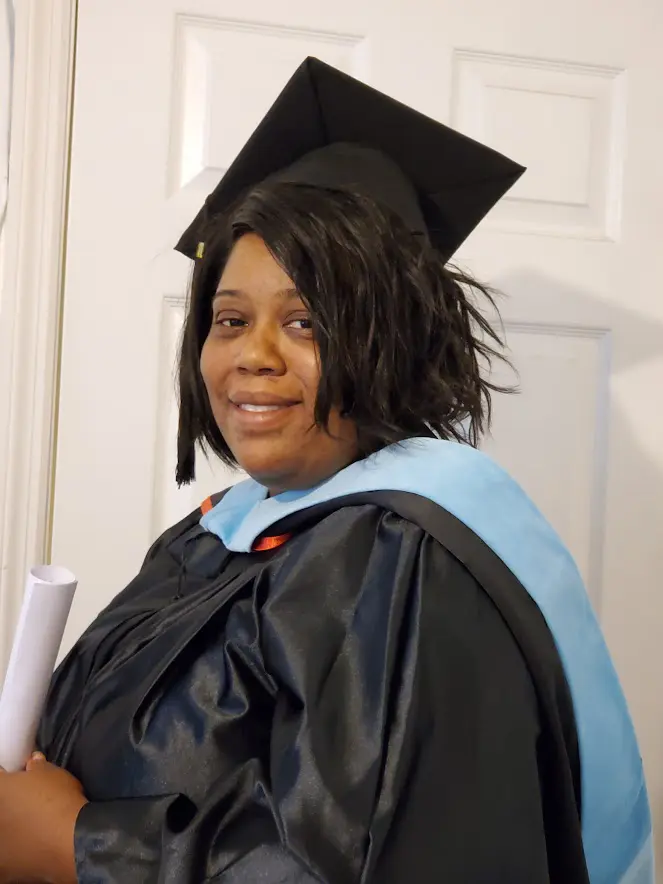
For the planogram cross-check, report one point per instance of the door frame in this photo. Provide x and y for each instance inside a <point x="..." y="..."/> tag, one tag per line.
<point x="34" y="242"/>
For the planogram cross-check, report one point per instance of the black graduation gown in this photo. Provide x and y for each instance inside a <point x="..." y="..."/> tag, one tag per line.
<point x="364" y="703"/>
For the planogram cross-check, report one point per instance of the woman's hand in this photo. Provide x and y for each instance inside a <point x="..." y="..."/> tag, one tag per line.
<point x="38" y="811"/>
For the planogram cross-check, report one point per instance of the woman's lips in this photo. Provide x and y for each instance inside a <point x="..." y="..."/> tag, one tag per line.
<point x="250" y="416"/>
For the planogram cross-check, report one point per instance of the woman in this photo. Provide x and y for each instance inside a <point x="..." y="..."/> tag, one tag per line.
<point x="372" y="661"/>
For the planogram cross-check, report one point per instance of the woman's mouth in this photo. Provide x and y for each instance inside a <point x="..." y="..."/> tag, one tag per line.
<point x="245" y="406"/>
<point x="262" y="414"/>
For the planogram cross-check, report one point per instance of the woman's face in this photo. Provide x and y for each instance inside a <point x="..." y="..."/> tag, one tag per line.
<point x="261" y="370"/>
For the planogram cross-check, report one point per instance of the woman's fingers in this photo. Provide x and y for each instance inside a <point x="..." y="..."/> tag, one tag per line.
<point x="35" y="759"/>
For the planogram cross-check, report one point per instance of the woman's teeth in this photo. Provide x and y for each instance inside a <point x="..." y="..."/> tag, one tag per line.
<point x="260" y="407"/>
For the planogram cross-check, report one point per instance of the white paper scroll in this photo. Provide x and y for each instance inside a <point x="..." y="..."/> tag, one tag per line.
<point x="49" y="592"/>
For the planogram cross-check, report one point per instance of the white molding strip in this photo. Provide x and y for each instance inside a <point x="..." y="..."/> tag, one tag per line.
<point x="31" y="291"/>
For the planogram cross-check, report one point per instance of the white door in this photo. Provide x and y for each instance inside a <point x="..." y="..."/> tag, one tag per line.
<point x="166" y="93"/>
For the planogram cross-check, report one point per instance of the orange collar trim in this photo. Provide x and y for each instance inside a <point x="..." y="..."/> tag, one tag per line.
<point x="267" y="543"/>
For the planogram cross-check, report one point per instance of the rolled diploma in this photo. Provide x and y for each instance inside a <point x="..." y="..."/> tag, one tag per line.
<point x="49" y="592"/>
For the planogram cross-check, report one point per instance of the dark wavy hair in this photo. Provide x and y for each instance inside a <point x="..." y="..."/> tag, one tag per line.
<point x="401" y="340"/>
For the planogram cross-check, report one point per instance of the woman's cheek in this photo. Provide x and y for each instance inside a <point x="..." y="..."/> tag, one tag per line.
<point x="208" y="363"/>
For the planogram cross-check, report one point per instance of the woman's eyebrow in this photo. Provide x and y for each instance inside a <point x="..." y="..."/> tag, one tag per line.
<point x="285" y="294"/>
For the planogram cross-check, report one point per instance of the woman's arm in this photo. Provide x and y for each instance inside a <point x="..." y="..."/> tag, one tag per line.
<point x="405" y="746"/>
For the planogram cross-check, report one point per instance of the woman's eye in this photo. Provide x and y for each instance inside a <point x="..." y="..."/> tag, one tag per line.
<point x="303" y="324"/>
<point x="230" y="321"/>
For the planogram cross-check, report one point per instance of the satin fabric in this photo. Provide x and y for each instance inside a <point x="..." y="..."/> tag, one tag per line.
<point x="465" y="482"/>
<point x="349" y="707"/>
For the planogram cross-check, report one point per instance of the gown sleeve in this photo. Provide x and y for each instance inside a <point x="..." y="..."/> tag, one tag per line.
<point x="403" y="744"/>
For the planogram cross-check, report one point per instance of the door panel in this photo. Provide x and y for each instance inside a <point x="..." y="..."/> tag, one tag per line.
<point x="166" y="94"/>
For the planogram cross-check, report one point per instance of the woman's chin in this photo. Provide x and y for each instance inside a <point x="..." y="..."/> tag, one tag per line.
<point x="268" y="470"/>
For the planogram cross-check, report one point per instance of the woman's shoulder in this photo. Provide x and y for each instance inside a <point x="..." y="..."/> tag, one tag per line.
<point x="396" y="558"/>
<point x="365" y="585"/>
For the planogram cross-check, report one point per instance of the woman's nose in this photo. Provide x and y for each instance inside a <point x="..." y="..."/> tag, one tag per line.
<point x="260" y="352"/>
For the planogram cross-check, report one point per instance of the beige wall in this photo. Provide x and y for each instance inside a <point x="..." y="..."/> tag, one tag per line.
<point x="6" y="28"/>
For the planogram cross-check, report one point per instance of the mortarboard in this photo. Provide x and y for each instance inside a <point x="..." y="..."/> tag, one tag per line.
<point x="329" y="130"/>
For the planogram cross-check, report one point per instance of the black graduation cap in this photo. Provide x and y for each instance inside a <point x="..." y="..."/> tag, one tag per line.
<point x="329" y="130"/>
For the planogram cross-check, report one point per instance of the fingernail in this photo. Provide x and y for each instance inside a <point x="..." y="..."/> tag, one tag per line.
<point x="38" y="756"/>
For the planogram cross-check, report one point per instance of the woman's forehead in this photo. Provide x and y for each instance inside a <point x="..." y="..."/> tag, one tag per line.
<point x="251" y="262"/>
<point x="252" y="272"/>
